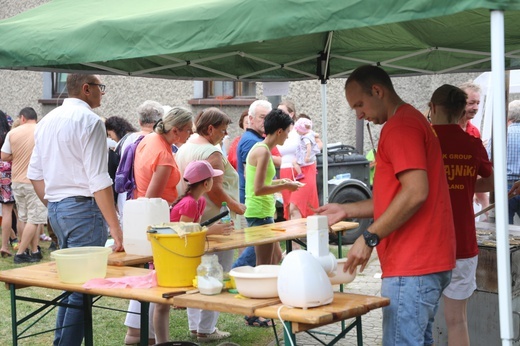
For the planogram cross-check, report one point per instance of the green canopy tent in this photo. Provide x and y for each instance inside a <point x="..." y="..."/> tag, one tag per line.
<point x="280" y="40"/>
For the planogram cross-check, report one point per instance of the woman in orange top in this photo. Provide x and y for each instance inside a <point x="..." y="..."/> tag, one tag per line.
<point x="157" y="175"/>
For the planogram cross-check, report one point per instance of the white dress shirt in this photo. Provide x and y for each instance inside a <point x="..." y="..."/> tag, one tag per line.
<point x="70" y="152"/>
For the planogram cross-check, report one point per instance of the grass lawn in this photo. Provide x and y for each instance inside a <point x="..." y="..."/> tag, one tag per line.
<point x="108" y="325"/>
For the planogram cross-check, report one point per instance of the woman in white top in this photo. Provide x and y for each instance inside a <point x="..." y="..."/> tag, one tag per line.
<point x="296" y="204"/>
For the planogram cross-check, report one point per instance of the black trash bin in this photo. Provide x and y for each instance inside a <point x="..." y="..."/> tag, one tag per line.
<point x="345" y="159"/>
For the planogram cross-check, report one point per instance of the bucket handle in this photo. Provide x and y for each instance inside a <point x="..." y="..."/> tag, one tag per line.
<point x="178" y="254"/>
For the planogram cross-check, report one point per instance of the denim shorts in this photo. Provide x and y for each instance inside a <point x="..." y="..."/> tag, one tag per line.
<point x="77" y="222"/>
<point x="414" y="301"/>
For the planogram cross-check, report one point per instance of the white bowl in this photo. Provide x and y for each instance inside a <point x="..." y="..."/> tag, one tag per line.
<point x="342" y="277"/>
<point x="257" y="282"/>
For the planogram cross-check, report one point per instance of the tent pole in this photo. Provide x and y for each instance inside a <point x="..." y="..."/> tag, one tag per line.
<point x="325" y="156"/>
<point x="499" y="150"/>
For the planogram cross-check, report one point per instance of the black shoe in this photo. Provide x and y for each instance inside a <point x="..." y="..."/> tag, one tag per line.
<point x="24" y="258"/>
<point x="38" y="255"/>
<point x="53" y="247"/>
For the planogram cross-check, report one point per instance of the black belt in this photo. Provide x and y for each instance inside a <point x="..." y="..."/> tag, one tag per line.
<point x="80" y="199"/>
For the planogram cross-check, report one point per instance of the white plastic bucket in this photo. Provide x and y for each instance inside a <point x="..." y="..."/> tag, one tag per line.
<point x="138" y="214"/>
<point x="77" y="265"/>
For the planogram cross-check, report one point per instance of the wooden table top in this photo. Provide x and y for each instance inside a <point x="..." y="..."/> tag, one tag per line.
<point x="344" y="306"/>
<point x="46" y="275"/>
<point x="258" y="235"/>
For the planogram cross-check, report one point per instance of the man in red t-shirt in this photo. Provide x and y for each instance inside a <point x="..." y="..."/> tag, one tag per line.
<point x="472" y="105"/>
<point x="413" y="224"/>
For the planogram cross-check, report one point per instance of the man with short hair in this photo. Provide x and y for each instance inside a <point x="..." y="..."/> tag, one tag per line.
<point x="253" y="134"/>
<point x="472" y="105"/>
<point x="18" y="147"/>
<point x="413" y="224"/>
<point x="69" y="172"/>
<point x="473" y="92"/>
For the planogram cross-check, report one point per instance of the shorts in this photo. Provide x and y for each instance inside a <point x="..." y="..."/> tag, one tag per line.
<point x="30" y="207"/>
<point x="463" y="281"/>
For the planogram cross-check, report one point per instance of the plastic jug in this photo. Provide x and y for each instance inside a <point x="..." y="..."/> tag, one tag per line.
<point x="138" y="214"/>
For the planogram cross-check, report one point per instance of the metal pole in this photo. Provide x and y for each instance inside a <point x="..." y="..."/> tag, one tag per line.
<point x="499" y="150"/>
<point x="325" y="156"/>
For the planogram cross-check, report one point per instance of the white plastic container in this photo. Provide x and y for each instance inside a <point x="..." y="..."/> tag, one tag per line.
<point x="257" y="282"/>
<point x="341" y="277"/>
<point x="302" y="282"/>
<point x="138" y="214"/>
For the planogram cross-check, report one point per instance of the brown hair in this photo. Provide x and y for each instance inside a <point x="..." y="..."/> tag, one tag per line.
<point x="368" y="75"/>
<point x="242" y="117"/>
<point x="210" y="116"/>
<point x="453" y="100"/>
<point x="290" y="106"/>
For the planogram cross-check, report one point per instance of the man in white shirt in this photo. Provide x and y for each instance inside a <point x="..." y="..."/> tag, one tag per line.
<point x="69" y="172"/>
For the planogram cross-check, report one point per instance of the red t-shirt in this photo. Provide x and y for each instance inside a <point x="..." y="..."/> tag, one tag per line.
<point x="232" y="152"/>
<point x="464" y="159"/>
<point x="472" y="130"/>
<point x="424" y="244"/>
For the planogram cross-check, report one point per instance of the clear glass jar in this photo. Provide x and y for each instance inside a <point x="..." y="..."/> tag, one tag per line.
<point x="210" y="275"/>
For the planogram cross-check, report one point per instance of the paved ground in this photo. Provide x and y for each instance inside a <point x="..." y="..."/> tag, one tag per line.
<point x="368" y="282"/>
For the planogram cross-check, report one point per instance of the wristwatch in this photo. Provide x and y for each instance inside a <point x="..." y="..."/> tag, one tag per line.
<point x="371" y="239"/>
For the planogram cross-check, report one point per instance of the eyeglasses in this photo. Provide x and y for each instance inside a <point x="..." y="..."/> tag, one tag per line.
<point x="101" y="86"/>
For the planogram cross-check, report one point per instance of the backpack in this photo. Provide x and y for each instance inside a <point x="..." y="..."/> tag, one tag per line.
<point x="124" y="180"/>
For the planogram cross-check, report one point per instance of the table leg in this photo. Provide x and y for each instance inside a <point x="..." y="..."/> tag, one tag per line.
<point x="14" y="328"/>
<point x="359" y="331"/>
<point x="289" y="338"/>
<point x="145" y="318"/>
<point x="87" y="313"/>
<point x="288" y="246"/>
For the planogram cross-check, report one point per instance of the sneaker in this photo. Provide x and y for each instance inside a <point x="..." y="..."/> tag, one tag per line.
<point x="38" y="255"/>
<point x="216" y="335"/>
<point x="193" y="334"/>
<point x="45" y="237"/>
<point x="24" y="258"/>
<point x="299" y="176"/>
<point x="14" y="243"/>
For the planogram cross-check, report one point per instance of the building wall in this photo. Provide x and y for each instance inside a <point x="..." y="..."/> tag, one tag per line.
<point x="20" y="89"/>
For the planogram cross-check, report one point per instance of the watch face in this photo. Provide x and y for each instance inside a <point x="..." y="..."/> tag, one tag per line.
<point x="371" y="239"/>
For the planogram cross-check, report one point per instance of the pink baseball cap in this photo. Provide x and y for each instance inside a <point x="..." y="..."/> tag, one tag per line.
<point x="200" y="170"/>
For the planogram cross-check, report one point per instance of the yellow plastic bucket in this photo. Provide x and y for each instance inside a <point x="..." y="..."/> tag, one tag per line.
<point x="176" y="258"/>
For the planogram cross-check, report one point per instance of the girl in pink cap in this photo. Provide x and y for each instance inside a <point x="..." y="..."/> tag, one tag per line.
<point x="189" y="207"/>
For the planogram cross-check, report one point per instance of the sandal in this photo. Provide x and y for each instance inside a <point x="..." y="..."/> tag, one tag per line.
<point x="254" y="321"/>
